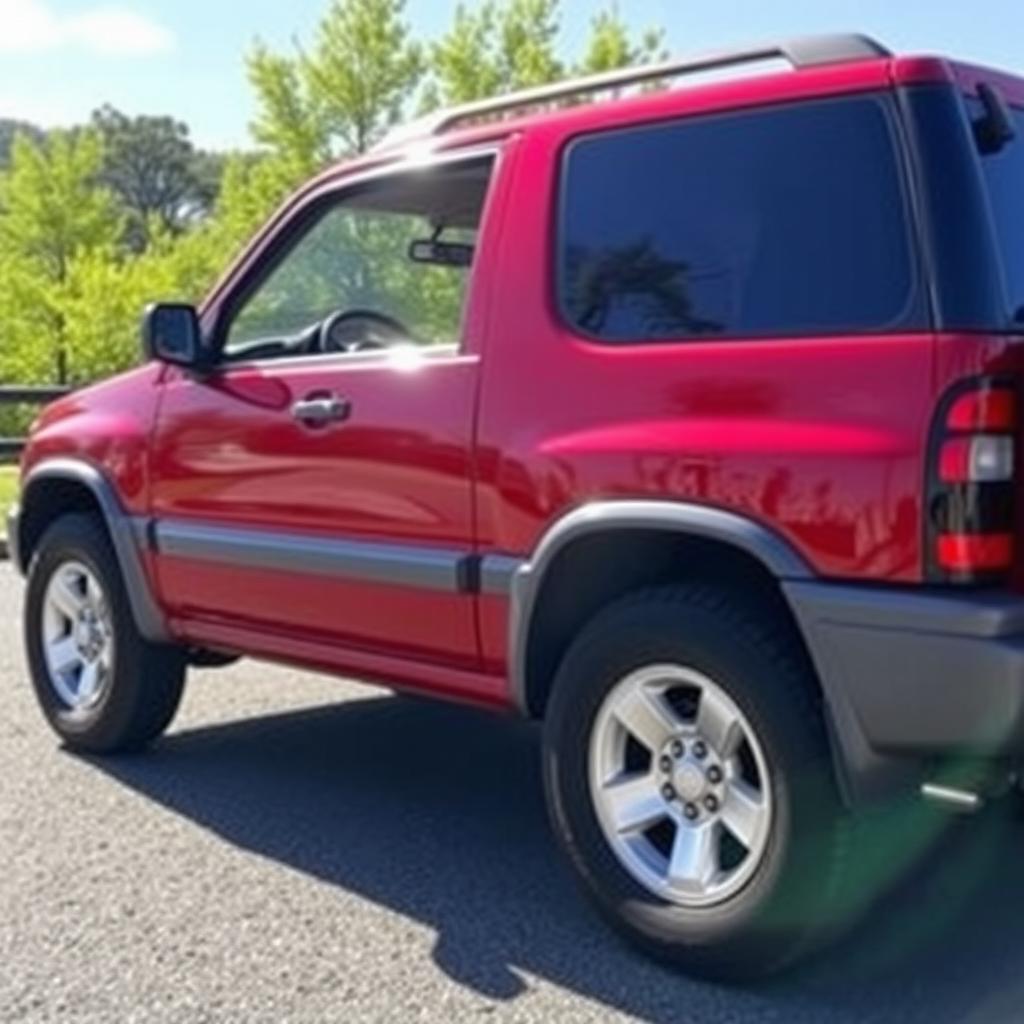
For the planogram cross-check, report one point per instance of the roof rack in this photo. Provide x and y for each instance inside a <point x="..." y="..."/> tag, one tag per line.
<point x="801" y="52"/>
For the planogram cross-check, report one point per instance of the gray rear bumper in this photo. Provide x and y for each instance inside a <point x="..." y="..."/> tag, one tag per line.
<point x="914" y="673"/>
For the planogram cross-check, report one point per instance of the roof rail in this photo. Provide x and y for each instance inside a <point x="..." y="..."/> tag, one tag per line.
<point x="801" y="52"/>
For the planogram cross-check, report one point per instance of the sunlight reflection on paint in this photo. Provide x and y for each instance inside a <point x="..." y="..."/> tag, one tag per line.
<point x="407" y="358"/>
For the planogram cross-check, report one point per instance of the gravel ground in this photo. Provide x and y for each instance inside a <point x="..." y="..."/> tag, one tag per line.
<point x="304" y="849"/>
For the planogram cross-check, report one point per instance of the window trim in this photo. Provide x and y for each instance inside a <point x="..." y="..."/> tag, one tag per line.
<point x="275" y="247"/>
<point x="916" y="314"/>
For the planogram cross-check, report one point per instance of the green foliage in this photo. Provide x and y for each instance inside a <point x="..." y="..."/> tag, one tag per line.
<point x="53" y="204"/>
<point x="495" y="48"/>
<point x="9" y="129"/>
<point x="150" y="164"/>
<point x="55" y="213"/>
<point x="610" y="45"/>
<point x="338" y="98"/>
<point x="99" y="221"/>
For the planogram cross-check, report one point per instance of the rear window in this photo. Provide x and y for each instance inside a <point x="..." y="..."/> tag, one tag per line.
<point x="1004" y="180"/>
<point x="778" y="222"/>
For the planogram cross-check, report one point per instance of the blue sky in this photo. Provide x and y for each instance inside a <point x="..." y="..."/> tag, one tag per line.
<point x="61" y="58"/>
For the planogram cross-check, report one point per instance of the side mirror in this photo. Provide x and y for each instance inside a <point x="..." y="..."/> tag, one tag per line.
<point x="170" y="333"/>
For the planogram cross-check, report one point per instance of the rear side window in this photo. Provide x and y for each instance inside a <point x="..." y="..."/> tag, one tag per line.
<point x="784" y="221"/>
<point x="1004" y="180"/>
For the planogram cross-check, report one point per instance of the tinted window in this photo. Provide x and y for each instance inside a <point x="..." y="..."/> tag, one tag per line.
<point x="1004" y="176"/>
<point x="783" y="221"/>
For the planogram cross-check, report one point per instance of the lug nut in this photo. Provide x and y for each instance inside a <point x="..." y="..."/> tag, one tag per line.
<point x="677" y="748"/>
<point x="700" y="750"/>
<point x="668" y="792"/>
<point x="691" y="811"/>
<point x="711" y="803"/>
<point x="665" y="763"/>
<point x="714" y="775"/>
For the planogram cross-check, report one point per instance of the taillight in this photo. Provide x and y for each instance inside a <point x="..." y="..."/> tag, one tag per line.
<point x="971" y="484"/>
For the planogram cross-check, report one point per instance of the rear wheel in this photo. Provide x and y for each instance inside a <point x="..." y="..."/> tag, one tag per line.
<point x="689" y="780"/>
<point x="101" y="685"/>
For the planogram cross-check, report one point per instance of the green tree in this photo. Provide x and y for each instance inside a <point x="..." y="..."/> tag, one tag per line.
<point x="494" y="48"/>
<point x="150" y="164"/>
<point x="338" y="98"/>
<point x="498" y="47"/>
<point x="610" y="45"/>
<point x="54" y="210"/>
<point x="9" y="128"/>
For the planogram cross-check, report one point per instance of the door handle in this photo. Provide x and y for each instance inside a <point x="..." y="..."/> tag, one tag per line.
<point x="321" y="410"/>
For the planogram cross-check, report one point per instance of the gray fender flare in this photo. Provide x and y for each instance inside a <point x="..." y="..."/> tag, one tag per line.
<point x="860" y="772"/>
<point x="524" y="580"/>
<point x="127" y="534"/>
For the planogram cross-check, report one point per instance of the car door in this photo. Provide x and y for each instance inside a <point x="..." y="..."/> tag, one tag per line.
<point x="318" y="483"/>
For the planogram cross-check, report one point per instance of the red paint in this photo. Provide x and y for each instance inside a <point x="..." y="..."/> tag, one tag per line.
<point x="822" y="440"/>
<point x="229" y="452"/>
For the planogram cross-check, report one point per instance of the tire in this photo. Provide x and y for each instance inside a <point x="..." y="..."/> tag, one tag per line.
<point x="793" y="892"/>
<point x="134" y="686"/>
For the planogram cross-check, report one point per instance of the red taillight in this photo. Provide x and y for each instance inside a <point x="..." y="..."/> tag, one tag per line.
<point x="970" y="525"/>
<point x="968" y="552"/>
<point x="985" y="409"/>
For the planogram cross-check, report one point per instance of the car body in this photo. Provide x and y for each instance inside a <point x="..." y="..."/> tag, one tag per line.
<point x="809" y="402"/>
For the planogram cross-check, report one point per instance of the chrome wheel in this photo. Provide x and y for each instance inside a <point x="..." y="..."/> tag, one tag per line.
<point x="78" y="637"/>
<point x="680" y="785"/>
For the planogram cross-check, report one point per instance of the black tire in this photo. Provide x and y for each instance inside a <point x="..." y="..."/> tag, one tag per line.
<point x="147" y="679"/>
<point x="794" y="896"/>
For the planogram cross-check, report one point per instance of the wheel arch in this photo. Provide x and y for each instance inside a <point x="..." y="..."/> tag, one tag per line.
<point x="686" y="538"/>
<point x="56" y="487"/>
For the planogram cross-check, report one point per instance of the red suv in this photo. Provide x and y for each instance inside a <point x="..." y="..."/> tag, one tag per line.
<point x="685" y="422"/>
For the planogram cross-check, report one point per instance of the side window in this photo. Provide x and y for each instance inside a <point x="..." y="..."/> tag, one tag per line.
<point x="1003" y="172"/>
<point x="784" y="221"/>
<point x="388" y="263"/>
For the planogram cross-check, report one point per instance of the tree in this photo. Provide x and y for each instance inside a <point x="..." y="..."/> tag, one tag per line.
<point x="495" y="48"/>
<point x="339" y="98"/>
<point x="9" y="128"/>
<point x="610" y="46"/>
<point x="54" y="210"/>
<point x="150" y="164"/>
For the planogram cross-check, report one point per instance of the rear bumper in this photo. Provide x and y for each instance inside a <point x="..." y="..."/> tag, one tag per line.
<point x="914" y="674"/>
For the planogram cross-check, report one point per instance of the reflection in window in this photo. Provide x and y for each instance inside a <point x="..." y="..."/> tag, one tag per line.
<point x="398" y="251"/>
<point x="787" y="220"/>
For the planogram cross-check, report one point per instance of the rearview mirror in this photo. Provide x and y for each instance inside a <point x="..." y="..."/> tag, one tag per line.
<point x="441" y="254"/>
<point x="170" y="333"/>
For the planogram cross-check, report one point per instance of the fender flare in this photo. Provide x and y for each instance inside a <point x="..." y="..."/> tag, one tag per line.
<point x="525" y="580"/>
<point x="127" y="534"/>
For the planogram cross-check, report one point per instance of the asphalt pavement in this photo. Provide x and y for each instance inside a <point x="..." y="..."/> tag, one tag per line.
<point x="307" y="849"/>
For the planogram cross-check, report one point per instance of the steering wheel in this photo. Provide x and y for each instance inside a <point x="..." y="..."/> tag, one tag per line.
<point x="361" y="330"/>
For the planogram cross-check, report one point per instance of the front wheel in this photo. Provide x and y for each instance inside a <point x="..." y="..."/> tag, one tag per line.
<point x="102" y="687"/>
<point x="689" y="780"/>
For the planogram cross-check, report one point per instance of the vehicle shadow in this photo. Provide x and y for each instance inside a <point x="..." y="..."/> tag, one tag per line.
<point x="436" y="812"/>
